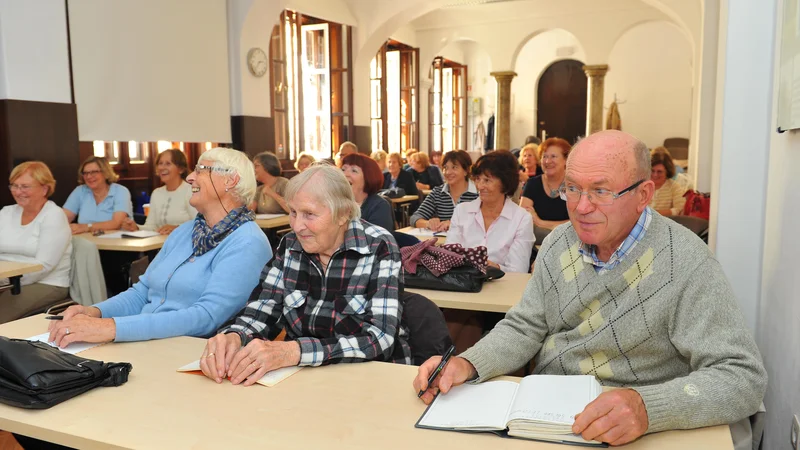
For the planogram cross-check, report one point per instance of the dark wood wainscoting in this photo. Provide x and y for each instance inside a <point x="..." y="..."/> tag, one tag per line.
<point x="252" y="134"/>
<point x="363" y="139"/>
<point x="41" y="131"/>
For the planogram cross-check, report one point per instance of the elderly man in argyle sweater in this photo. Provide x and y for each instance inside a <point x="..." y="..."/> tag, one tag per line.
<point x="628" y="296"/>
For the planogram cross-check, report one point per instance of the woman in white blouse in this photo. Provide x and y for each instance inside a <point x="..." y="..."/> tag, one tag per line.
<point x="494" y="220"/>
<point x="169" y="204"/>
<point x="36" y="231"/>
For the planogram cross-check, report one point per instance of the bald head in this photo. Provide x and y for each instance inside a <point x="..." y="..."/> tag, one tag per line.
<point x="621" y="149"/>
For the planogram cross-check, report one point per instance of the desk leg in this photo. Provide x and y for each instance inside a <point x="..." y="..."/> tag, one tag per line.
<point x="15" y="284"/>
<point x="405" y="215"/>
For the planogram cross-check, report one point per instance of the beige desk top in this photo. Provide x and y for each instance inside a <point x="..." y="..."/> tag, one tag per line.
<point x="277" y="222"/>
<point x="341" y="406"/>
<point x="426" y="191"/>
<point x="404" y="199"/>
<point x="496" y="296"/>
<point x="126" y="244"/>
<point x="10" y="269"/>
<point x="440" y="240"/>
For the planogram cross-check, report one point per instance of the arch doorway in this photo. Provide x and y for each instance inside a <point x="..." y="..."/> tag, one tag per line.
<point x="561" y="100"/>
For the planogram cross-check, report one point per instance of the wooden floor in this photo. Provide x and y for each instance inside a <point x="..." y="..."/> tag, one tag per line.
<point x="7" y="441"/>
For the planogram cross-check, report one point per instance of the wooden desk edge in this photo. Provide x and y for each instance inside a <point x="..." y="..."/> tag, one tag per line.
<point x="21" y="269"/>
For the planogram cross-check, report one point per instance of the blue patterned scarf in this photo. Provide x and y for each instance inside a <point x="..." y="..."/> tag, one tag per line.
<point x="205" y="239"/>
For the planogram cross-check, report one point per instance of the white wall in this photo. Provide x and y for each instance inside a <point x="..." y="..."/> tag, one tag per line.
<point x="34" y="63"/>
<point x="650" y="68"/>
<point x="536" y="56"/>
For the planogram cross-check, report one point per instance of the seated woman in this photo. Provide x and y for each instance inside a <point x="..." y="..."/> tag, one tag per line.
<point x="99" y="203"/>
<point x="493" y="220"/>
<point x="269" y="195"/>
<point x="396" y="177"/>
<point x="540" y="196"/>
<point x="169" y="204"/>
<point x="379" y="156"/>
<point x="668" y="199"/>
<point x="437" y="208"/>
<point x="333" y="287"/>
<point x="425" y="175"/>
<point x="200" y="278"/>
<point x="35" y="231"/>
<point x="365" y="179"/>
<point x="529" y="160"/>
<point x="303" y="161"/>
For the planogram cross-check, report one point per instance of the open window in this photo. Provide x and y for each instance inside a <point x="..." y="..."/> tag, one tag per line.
<point x="394" y="97"/>
<point x="447" y="106"/>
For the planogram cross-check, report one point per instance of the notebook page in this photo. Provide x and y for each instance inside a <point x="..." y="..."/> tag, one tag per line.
<point x="473" y="406"/>
<point x="112" y="235"/>
<point x="424" y="232"/>
<point x="140" y="234"/>
<point x="269" y="379"/>
<point x="553" y="398"/>
<point x="75" y="347"/>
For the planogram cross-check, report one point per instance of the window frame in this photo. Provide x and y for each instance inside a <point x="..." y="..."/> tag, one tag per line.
<point x="407" y="89"/>
<point x="458" y="106"/>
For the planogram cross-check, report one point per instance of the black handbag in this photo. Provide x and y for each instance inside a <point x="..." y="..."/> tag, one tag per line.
<point x="35" y="375"/>
<point x="395" y="192"/>
<point x="460" y="279"/>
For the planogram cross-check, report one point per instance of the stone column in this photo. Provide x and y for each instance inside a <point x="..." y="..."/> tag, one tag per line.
<point x="502" y="121"/>
<point x="594" y="102"/>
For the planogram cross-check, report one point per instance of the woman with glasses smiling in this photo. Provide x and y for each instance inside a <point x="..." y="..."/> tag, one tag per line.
<point x="201" y="277"/>
<point x="34" y="231"/>
<point x="98" y="203"/>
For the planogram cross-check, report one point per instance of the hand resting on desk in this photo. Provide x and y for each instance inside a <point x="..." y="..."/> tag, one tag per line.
<point x="224" y="357"/>
<point x="616" y="417"/>
<point x="82" y="324"/>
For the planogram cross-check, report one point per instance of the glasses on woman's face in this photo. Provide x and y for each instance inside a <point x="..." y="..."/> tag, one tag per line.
<point x="207" y="168"/>
<point x="88" y="173"/>
<point x="21" y="187"/>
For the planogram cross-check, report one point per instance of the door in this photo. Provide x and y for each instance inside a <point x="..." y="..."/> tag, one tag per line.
<point x="561" y="101"/>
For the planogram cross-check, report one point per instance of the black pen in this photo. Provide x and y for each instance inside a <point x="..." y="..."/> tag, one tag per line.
<point x="54" y="317"/>
<point x="439" y="368"/>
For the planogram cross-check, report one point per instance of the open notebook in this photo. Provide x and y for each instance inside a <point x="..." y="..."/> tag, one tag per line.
<point x="140" y="234"/>
<point x="269" y="379"/>
<point x="540" y="407"/>
<point x="75" y="347"/>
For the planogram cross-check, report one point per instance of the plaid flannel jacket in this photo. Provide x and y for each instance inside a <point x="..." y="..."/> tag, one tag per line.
<point x="351" y="314"/>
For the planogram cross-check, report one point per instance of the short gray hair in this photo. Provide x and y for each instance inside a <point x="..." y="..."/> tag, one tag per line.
<point x="330" y="187"/>
<point x="642" y="155"/>
<point x="269" y="162"/>
<point x="232" y="161"/>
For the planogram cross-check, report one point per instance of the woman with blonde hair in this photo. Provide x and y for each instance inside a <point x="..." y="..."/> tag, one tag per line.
<point x="98" y="203"/>
<point x="35" y="231"/>
<point x="304" y="161"/>
<point x="425" y="175"/>
<point x="379" y="156"/>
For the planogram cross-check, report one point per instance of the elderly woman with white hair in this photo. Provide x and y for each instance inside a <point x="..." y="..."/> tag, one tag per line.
<point x="200" y="278"/>
<point x="333" y="287"/>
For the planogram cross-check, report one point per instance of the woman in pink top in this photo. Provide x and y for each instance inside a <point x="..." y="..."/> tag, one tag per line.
<point x="494" y="220"/>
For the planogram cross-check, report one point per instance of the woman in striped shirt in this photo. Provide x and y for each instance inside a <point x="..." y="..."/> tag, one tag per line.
<point x="437" y="209"/>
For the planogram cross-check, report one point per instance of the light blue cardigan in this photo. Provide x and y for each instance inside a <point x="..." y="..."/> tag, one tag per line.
<point x="180" y="295"/>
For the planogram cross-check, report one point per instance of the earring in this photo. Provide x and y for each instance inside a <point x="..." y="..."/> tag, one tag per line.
<point x="226" y="189"/>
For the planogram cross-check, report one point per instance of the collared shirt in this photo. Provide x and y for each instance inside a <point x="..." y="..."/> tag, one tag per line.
<point x="348" y="313"/>
<point x="509" y="239"/>
<point x="589" y="252"/>
<point x="440" y="204"/>
<point x="81" y="201"/>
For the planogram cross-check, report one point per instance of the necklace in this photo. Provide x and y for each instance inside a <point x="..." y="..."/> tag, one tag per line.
<point x="552" y="193"/>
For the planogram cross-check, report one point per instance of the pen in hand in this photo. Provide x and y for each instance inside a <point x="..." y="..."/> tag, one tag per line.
<point x="439" y="368"/>
<point x="54" y="317"/>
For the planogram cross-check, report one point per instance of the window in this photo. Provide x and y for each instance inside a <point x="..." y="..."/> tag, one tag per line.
<point x="108" y="149"/>
<point x="311" y="83"/>
<point x="447" y="102"/>
<point x="394" y="104"/>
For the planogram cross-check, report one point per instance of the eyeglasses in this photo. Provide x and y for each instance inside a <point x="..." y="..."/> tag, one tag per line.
<point x="87" y="173"/>
<point x="21" y="187"/>
<point x="204" y="168"/>
<point x="598" y="196"/>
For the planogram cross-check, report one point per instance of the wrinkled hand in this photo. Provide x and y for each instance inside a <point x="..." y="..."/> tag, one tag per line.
<point x="167" y="229"/>
<point x="616" y="417"/>
<point x="456" y="372"/>
<point x="218" y="354"/>
<point x="82" y="328"/>
<point x="71" y="312"/>
<point x="259" y="357"/>
<point x="78" y="228"/>
<point x="433" y="224"/>
<point x="129" y="225"/>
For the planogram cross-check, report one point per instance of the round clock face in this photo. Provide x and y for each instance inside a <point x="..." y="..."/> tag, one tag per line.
<point x="257" y="61"/>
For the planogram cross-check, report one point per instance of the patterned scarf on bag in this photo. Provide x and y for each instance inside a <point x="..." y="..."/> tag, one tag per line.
<point x="205" y="239"/>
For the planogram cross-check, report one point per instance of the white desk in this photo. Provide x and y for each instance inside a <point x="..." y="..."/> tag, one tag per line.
<point x="14" y="272"/>
<point x="277" y="222"/>
<point x="341" y="406"/>
<point x="126" y="244"/>
<point x="496" y="295"/>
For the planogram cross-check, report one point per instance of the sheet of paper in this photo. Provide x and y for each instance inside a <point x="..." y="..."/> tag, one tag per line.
<point x="424" y="232"/>
<point x="140" y="234"/>
<point x="553" y="398"/>
<point x="475" y="406"/>
<point x="268" y="216"/>
<point x="112" y="235"/>
<point x="269" y="379"/>
<point x="75" y="347"/>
